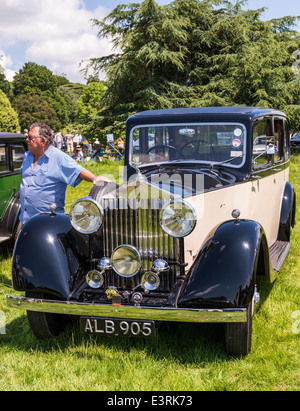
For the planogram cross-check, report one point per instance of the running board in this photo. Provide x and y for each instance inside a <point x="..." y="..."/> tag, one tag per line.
<point x="278" y="252"/>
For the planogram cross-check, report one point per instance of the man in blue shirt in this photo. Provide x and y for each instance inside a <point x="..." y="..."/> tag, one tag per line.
<point x="46" y="173"/>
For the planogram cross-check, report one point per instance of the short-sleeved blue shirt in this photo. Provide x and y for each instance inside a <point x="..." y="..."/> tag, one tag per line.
<point x="46" y="183"/>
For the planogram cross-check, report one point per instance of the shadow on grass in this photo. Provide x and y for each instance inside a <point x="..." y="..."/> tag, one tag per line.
<point x="186" y="343"/>
<point x="5" y="281"/>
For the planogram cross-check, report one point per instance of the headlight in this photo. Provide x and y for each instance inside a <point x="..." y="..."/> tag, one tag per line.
<point x="94" y="279"/>
<point x="86" y="215"/>
<point x="126" y="260"/>
<point x="150" y="281"/>
<point x="178" y="218"/>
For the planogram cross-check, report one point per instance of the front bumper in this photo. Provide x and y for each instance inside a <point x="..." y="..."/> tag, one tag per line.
<point x="129" y="312"/>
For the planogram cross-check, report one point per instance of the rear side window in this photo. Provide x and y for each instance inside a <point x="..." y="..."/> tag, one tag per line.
<point x="279" y="139"/>
<point x="3" y="166"/>
<point x="263" y="143"/>
<point x="18" y="152"/>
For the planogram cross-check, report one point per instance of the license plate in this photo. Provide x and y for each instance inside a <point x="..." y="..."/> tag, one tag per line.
<point x="118" y="327"/>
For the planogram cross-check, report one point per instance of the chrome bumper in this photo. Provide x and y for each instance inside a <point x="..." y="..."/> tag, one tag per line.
<point x="129" y="312"/>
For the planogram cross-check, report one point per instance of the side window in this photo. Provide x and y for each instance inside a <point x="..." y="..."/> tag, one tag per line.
<point x="18" y="152"/>
<point x="286" y="147"/>
<point x="279" y="139"/>
<point x="263" y="143"/>
<point x="2" y="158"/>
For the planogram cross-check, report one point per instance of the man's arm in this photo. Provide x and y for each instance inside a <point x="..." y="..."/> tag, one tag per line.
<point x="88" y="176"/>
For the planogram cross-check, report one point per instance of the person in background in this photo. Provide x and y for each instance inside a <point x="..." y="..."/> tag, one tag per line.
<point x="59" y="140"/>
<point x="78" y="154"/>
<point x="97" y="146"/>
<point x="77" y="139"/>
<point x="120" y="145"/>
<point x="46" y="173"/>
<point x="69" y="140"/>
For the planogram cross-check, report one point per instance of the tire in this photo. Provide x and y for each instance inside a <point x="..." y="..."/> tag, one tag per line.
<point x="100" y="189"/>
<point x="238" y="336"/>
<point x="17" y="232"/>
<point x="45" y="325"/>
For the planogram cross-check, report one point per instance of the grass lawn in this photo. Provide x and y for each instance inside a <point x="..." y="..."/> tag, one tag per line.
<point x="183" y="357"/>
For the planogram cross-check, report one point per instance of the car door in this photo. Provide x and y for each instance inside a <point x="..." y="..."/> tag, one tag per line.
<point x="270" y="173"/>
<point x="11" y="159"/>
<point x="5" y="180"/>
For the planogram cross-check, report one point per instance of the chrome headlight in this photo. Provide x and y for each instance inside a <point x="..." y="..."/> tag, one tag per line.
<point x="86" y="215"/>
<point x="150" y="281"/>
<point x="178" y="218"/>
<point x="126" y="260"/>
<point x="94" y="279"/>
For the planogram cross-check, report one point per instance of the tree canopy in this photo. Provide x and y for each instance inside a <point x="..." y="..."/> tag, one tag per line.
<point x="34" y="108"/>
<point x="189" y="53"/>
<point x="39" y="95"/>
<point x="194" y="53"/>
<point x="8" y="116"/>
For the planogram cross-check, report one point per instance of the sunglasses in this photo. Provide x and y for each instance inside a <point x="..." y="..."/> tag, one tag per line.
<point x="32" y="138"/>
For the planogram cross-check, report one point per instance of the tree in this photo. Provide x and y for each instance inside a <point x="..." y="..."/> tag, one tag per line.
<point x="33" y="109"/>
<point x="33" y="79"/>
<point x="36" y="80"/>
<point x="8" y="116"/>
<point x="71" y="93"/>
<point x="90" y="102"/>
<point x="194" y="53"/>
<point x="4" y="84"/>
<point x="150" y="39"/>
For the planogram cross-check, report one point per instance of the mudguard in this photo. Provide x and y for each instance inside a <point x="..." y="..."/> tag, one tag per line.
<point x="287" y="214"/>
<point x="224" y="272"/>
<point x="47" y="256"/>
<point x="10" y="219"/>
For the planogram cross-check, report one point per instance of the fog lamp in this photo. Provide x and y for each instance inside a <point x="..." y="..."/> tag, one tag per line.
<point x="150" y="281"/>
<point x="94" y="279"/>
<point x="178" y="218"/>
<point x="160" y="266"/>
<point x="86" y="215"/>
<point x="104" y="264"/>
<point x="126" y="260"/>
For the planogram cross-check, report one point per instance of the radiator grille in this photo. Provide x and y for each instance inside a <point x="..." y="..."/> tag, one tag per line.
<point x="136" y="223"/>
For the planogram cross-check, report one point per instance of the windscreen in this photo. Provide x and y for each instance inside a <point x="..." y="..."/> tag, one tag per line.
<point x="208" y="143"/>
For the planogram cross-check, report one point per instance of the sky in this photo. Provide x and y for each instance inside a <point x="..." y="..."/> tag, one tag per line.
<point x="59" y="34"/>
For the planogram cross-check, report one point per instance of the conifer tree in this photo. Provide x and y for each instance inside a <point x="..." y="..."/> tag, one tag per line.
<point x="195" y="53"/>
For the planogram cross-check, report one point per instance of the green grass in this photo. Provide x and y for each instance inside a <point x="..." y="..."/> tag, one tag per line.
<point x="182" y="357"/>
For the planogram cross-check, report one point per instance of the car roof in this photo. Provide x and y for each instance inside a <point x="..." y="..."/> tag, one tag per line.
<point x="177" y="115"/>
<point x="4" y="135"/>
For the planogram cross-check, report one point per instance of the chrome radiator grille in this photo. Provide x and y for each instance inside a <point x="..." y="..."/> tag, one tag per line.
<point x="137" y="223"/>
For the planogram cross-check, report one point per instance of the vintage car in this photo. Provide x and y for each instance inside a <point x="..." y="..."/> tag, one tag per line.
<point x="12" y="150"/>
<point x="201" y="215"/>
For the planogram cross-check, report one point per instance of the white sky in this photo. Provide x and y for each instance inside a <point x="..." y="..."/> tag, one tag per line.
<point x="59" y="33"/>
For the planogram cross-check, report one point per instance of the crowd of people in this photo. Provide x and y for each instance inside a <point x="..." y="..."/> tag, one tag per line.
<point x="79" y="148"/>
<point x="74" y="144"/>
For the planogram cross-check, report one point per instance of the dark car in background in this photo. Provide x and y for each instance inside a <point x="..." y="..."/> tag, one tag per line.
<point x="202" y="215"/>
<point x="295" y="141"/>
<point x="12" y="150"/>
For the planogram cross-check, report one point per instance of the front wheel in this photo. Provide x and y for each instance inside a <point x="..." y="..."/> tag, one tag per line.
<point x="45" y="325"/>
<point x="238" y="336"/>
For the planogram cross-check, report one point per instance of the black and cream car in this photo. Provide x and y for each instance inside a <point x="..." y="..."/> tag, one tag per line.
<point x="201" y="215"/>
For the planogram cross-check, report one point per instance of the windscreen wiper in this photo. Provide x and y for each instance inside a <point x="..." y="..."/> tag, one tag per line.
<point x="224" y="162"/>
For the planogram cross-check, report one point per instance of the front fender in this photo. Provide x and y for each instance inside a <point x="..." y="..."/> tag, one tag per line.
<point x="223" y="274"/>
<point x="45" y="257"/>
